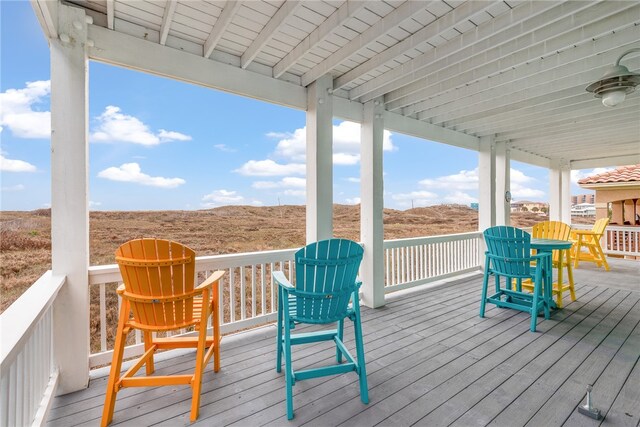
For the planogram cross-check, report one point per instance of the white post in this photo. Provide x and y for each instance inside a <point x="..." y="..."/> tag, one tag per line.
<point x="69" y="197"/>
<point x="555" y="191"/>
<point x="372" y="203"/>
<point x="565" y="179"/>
<point x="487" y="183"/>
<point x="503" y="185"/>
<point x="320" y="160"/>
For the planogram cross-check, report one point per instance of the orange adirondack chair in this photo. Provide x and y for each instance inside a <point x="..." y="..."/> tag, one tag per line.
<point x="590" y="239"/>
<point x="158" y="295"/>
<point x="560" y="259"/>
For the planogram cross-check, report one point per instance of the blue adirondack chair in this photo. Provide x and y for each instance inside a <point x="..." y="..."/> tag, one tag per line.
<point x="326" y="291"/>
<point x="508" y="255"/>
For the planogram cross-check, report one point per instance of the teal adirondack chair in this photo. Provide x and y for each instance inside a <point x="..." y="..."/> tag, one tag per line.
<point x="326" y="291"/>
<point x="508" y="255"/>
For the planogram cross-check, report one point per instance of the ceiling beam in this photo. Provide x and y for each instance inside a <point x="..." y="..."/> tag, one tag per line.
<point x="131" y="52"/>
<point x="47" y="14"/>
<point x="525" y="96"/>
<point x="408" y="126"/>
<point x="426" y="35"/>
<point x="220" y="26"/>
<point x="529" y="158"/>
<point x="111" y="14"/>
<point x="287" y="10"/>
<point x="602" y="162"/>
<point x="169" y="10"/>
<point x="404" y="12"/>
<point x="573" y="60"/>
<point x="337" y="19"/>
<point x="520" y="20"/>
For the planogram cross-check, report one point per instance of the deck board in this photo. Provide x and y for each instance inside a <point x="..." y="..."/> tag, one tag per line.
<point x="430" y="361"/>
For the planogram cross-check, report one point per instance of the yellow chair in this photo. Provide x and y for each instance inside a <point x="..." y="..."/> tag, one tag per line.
<point x="590" y="239"/>
<point x="560" y="258"/>
<point x="158" y="295"/>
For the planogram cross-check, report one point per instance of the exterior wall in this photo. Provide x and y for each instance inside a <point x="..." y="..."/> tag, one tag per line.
<point x="618" y="198"/>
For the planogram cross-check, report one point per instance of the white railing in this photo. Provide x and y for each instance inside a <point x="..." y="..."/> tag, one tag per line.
<point x="618" y="240"/>
<point x="416" y="261"/>
<point x="247" y="292"/>
<point x="28" y="377"/>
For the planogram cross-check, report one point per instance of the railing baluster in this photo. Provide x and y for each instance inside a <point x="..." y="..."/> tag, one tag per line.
<point x="254" y="292"/>
<point x="103" y="317"/>
<point x="232" y="295"/>
<point x="263" y="289"/>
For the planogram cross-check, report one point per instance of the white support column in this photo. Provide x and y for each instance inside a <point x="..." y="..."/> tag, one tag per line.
<point x="565" y="201"/>
<point x="503" y="184"/>
<point x="372" y="203"/>
<point x="555" y="191"/>
<point x="487" y="184"/>
<point x="320" y="160"/>
<point x="69" y="197"/>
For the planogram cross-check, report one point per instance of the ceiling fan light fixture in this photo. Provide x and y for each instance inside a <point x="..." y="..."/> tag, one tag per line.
<point x="616" y="83"/>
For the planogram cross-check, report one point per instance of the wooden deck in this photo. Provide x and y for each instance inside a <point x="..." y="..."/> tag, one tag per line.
<point x="431" y="361"/>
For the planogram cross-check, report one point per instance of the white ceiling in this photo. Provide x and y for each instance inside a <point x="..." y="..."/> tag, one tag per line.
<point x="512" y="69"/>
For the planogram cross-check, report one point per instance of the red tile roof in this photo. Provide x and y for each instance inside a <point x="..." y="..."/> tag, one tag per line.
<point x="624" y="174"/>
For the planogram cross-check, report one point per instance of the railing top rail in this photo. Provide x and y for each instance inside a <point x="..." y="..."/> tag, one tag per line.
<point x="412" y="241"/>
<point x="23" y="315"/>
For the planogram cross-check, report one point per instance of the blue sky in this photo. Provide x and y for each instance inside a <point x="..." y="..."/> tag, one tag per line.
<point x="162" y="144"/>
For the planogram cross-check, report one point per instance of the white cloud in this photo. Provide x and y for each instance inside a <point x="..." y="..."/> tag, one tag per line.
<point x="93" y="204"/>
<point x="287" y="182"/>
<point x="17" y="187"/>
<point x="131" y="172"/>
<point x="463" y="180"/>
<point x="353" y="179"/>
<point x="295" y="193"/>
<point x="10" y="165"/>
<point x="270" y="168"/>
<point x="520" y="192"/>
<point x="460" y="197"/>
<point x="224" y="148"/>
<point x="577" y="175"/>
<point x="221" y="197"/>
<point x="415" y="198"/>
<point x="354" y="201"/>
<point x="18" y="113"/>
<point x="346" y="144"/>
<point x="114" y="126"/>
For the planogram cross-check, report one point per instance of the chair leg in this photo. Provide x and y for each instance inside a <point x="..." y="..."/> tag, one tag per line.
<point x="148" y="342"/>
<point x="572" y="290"/>
<point x="196" y="385"/>
<point x="601" y="254"/>
<point x="340" y="337"/>
<point x="560" y="278"/>
<point x="485" y="284"/>
<point x="576" y="258"/>
<point x="279" y="334"/>
<point x="288" y="374"/>
<point x="362" y="370"/>
<point x="116" y="365"/>
<point x="215" y="320"/>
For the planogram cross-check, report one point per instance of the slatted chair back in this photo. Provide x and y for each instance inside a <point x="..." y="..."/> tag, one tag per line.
<point x="509" y="250"/>
<point x="599" y="226"/>
<point x="552" y="230"/>
<point x="326" y="274"/>
<point x="159" y="282"/>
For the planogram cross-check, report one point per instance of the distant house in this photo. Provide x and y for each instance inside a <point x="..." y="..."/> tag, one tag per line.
<point x="618" y="190"/>
<point x="583" y="209"/>
<point x="474" y="206"/>
<point x="528" y="206"/>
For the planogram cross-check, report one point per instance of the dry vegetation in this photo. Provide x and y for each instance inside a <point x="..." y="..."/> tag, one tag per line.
<point x="25" y="236"/>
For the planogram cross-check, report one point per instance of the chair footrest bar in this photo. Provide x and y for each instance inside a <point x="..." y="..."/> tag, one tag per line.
<point x="344" y="350"/>
<point x="309" y="337"/>
<point x="157" y="381"/>
<point x="324" y="371"/>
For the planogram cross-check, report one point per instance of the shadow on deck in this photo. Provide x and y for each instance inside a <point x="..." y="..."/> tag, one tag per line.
<point x="431" y="361"/>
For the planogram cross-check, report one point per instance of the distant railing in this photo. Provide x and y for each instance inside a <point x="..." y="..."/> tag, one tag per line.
<point x="416" y="261"/>
<point x="28" y="377"/>
<point x="618" y="240"/>
<point x="247" y="292"/>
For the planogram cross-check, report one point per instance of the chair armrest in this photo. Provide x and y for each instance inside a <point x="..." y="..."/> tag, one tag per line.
<point x="282" y="281"/>
<point x="213" y="278"/>
<point x="120" y="289"/>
